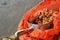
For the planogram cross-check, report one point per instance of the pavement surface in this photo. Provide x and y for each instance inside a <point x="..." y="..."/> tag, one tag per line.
<point x="11" y="11"/>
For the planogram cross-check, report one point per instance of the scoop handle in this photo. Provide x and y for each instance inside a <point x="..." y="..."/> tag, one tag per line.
<point x="21" y="32"/>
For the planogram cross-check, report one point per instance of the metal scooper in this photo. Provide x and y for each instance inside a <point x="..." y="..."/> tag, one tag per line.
<point x="30" y="27"/>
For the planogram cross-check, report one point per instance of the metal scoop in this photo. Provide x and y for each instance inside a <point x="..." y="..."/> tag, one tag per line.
<point x="30" y="27"/>
<point x="33" y="26"/>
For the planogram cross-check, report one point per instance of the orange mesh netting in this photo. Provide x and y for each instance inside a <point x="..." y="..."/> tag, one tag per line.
<point x="37" y="34"/>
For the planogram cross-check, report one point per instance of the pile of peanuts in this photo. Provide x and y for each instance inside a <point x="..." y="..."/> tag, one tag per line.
<point x="43" y="16"/>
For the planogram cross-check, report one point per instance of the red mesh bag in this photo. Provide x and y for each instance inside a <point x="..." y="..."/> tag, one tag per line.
<point x="36" y="33"/>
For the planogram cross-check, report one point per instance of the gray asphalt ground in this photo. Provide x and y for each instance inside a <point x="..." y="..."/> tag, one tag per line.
<point x="11" y="12"/>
